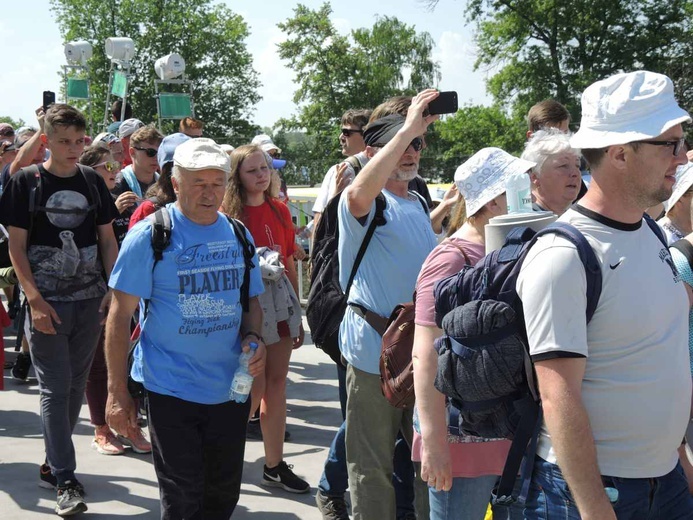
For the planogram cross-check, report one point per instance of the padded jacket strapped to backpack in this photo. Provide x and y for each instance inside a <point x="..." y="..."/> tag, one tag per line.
<point x="484" y="366"/>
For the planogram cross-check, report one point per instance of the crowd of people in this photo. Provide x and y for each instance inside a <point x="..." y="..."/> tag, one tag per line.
<point x="185" y="248"/>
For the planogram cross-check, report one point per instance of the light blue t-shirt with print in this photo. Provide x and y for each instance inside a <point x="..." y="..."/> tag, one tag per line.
<point x="190" y="340"/>
<point x="387" y="274"/>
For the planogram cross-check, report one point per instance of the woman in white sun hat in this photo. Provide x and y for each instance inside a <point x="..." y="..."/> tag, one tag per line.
<point x="460" y="470"/>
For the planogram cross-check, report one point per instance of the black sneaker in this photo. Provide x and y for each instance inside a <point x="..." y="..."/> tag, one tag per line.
<point x="20" y="370"/>
<point x="282" y="476"/>
<point x="332" y="508"/>
<point x="48" y="481"/>
<point x="70" y="501"/>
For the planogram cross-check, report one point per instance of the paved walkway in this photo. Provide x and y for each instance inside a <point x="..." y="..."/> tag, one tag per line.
<point x="126" y="486"/>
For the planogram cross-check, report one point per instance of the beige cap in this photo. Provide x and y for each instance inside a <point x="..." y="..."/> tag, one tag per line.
<point x="201" y="153"/>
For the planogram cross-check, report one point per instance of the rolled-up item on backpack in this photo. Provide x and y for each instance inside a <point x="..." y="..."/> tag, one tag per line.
<point x="499" y="227"/>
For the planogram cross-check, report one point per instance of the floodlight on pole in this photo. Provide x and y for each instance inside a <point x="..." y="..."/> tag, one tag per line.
<point x="170" y="66"/>
<point x="120" y="49"/>
<point x="78" y="52"/>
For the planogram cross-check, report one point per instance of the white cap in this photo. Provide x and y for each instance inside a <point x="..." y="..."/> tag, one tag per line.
<point x="482" y="177"/>
<point x="627" y="107"/>
<point x="265" y="142"/>
<point x="128" y="127"/>
<point x="227" y="148"/>
<point x="201" y="154"/>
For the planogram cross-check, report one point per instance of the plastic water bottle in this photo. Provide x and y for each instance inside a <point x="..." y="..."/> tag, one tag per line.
<point x="242" y="380"/>
<point x="518" y="191"/>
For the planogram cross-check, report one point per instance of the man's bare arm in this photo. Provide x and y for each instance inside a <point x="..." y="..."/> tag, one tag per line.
<point x="560" y="382"/>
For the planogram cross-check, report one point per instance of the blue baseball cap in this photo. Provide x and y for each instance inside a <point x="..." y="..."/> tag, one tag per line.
<point x="168" y="146"/>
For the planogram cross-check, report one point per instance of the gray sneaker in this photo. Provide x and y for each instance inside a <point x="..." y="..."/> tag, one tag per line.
<point x="70" y="501"/>
<point x="332" y="508"/>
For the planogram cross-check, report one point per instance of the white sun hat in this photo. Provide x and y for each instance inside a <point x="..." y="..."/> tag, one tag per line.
<point x="627" y="107"/>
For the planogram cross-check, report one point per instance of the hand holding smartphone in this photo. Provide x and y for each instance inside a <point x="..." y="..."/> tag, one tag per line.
<point x="445" y="103"/>
<point x="48" y="99"/>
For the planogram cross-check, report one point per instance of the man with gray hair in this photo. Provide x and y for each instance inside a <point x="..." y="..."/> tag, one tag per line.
<point x="556" y="176"/>
<point x="198" y="311"/>
<point x="616" y="392"/>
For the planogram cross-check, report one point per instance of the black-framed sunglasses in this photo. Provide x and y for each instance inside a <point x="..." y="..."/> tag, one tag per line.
<point x="678" y="144"/>
<point x="348" y="132"/>
<point x="151" y="152"/>
<point x="417" y="144"/>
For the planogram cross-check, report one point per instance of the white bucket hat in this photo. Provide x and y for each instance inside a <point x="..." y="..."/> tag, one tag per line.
<point x="627" y="107"/>
<point x="201" y="154"/>
<point x="684" y="182"/>
<point x="482" y="177"/>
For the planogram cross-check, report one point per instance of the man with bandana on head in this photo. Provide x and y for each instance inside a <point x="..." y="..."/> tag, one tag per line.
<point x="386" y="277"/>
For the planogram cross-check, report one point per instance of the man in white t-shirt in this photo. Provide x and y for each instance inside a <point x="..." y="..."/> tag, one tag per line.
<point x="352" y="144"/>
<point x="616" y="393"/>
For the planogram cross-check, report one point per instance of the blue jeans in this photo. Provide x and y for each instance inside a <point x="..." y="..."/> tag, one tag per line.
<point x="661" y="498"/>
<point x="334" y="480"/>
<point x="467" y="499"/>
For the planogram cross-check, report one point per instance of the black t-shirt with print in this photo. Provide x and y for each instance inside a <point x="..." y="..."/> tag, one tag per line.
<point x="62" y="249"/>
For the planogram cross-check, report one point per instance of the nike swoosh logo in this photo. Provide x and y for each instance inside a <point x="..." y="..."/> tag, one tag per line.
<point x="273" y="479"/>
<point x="614" y="266"/>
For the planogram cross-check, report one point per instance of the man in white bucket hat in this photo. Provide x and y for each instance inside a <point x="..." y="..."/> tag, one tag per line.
<point x="616" y="393"/>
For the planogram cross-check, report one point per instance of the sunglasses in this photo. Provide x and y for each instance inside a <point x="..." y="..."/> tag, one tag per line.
<point x="110" y="166"/>
<point x="348" y="132"/>
<point x="678" y="144"/>
<point x="417" y="144"/>
<point x="151" y="152"/>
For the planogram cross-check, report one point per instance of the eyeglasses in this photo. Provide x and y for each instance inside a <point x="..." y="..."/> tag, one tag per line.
<point x="110" y="166"/>
<point x="678" y="144"/>
<point x="274" y="154"/>
<point x="151" y="152"/>
<point x="417" y="144"/>
<point x="348" y="132"/>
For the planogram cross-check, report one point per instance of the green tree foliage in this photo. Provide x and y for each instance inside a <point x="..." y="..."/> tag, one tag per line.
<point x="13" y="123"/>
<point x="211" y="39"/>
<point x="555" y="48"/>
<point x="336" y="72"/>
<point x="472" y="128"/>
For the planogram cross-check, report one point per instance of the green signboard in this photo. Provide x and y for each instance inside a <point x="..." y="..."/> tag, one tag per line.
<point x="174" y="106"/>
<point x="77" y="88"/>
<point x="120" y="84"/>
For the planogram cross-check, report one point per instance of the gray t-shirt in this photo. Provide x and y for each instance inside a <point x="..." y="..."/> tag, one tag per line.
<point x="637" y="384"/>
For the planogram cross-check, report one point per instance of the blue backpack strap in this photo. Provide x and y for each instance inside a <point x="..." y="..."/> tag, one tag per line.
<point x="593" y="270"/>
<point x="515" y="243"/>
<point x="656" y="229"/>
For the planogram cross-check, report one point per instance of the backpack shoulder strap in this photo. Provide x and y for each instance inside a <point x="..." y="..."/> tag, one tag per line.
<point x="378" y="220"/>
<point x="422" y="200"/>
<point x="353" y="161"/>
<point x="248" y="253"/>
<point x="34" y="196"/>
<point x="656" y="229"/>
<point x="686" y="248"/>
<point x="161" y="232"/>
<point x="593" y="270"/>
<point x="89" y="177"/>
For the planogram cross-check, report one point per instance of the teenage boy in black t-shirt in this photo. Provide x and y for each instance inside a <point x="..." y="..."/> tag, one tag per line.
<point x="60" y="251"/>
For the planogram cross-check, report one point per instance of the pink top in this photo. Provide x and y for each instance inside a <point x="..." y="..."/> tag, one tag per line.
<point x="470" y="456"/>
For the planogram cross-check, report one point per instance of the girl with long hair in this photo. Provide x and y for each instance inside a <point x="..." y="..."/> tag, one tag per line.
<point x="251" y="196"/>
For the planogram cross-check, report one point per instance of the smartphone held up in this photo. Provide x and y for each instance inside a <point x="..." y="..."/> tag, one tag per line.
<point x="445" y="103"/>
<point x="48" y="99"/>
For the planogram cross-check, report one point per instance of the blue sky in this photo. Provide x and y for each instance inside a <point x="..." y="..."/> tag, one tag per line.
<point x="33" y="49"/>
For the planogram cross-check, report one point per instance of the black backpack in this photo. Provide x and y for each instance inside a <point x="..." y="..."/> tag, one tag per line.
<point x="484" y="367"/>
<point x="161" y="238"/>
<point x="327" y="302"/>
